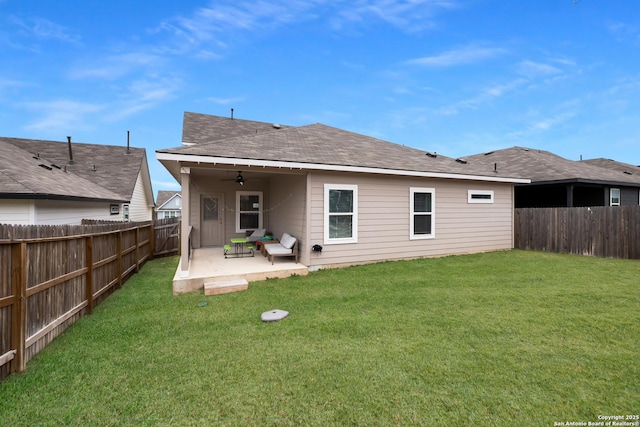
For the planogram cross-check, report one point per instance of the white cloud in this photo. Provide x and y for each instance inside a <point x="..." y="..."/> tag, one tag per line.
<point x="225" y="101"/>
<point x="116" y="66"/>
<point x="484" y="96"/>
<point x="533" y="70"/>
<point x="406" y="15"/>
<point x="62" y="115"/>
<point x="142" y="95"/>
<point x="43" y="29"/>
<point x="462" y="56"/>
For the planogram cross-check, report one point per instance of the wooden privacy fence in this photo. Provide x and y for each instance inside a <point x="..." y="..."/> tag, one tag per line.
<point x="50" y="276"/>
<point x="608" y="232"/>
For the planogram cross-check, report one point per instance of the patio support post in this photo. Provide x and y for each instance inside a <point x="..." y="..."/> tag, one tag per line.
<point x="185" y="178"/>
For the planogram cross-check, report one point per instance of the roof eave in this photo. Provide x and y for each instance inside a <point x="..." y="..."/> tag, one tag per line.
<point x="163" y="156"/>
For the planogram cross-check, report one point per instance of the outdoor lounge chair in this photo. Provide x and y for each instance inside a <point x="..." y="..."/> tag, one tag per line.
<point x="286" y="247"/>
<point x="256" y="235"/>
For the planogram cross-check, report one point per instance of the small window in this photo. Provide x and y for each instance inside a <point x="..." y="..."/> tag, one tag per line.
<point x="340" y="213"/>
<point x="615" y="197"/>
<point x="422" y="215"/>
<point x="480" y="196"/>
<point x="248" y="210"/>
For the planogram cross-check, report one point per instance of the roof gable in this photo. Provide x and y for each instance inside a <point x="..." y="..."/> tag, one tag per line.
<point x="165" y="197"/>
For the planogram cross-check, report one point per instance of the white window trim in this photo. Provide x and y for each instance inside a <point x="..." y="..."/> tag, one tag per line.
<point x="354" y="224"/>
<point x="260" y="210"/>
<point x="472" y="193"/>
<point x="412" y="191"/>
<point x="611" y="197"/>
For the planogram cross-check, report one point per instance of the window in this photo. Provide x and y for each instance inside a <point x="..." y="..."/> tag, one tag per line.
<point x="480" y="196"/>
<point x="422" y="213"/>
<point x="340" y="213"/>
<point x="248" y="210"/>
<point x="614" y="197"/>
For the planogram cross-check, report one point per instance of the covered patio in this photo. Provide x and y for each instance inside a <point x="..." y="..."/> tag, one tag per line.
<point x="209" y="265"/>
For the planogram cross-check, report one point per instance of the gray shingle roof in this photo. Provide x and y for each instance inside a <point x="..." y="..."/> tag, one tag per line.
<point x="203" y="128"/>
<point x="544" y="166"/>
<point x="315" y="144"/>
<point x="23" y="175"/>
<point x="625" y="168"/>
<point x="108" y="166"/>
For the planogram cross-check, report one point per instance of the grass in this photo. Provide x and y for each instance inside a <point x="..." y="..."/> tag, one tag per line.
<point x="506" y="338"/>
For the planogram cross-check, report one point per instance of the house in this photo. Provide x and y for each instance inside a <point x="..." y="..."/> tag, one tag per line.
<point x="559" y="182"/>
<point x="168" y="204"/>
<point x="626" y="195"/>
<point x="360" y="198"/>
<point x="49" y="182"/>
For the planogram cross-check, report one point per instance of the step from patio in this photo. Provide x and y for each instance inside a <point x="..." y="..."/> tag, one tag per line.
<point x="225" y="287"/>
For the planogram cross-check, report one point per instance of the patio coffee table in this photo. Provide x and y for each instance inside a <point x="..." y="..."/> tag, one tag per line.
<point x="240" y="243"/>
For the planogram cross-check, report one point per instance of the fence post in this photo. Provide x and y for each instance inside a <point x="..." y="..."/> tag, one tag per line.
<point x="152" y="240"/>
<point x="119" y="251"/>
<point x="137" y="249"/>
<point x="89" y="276"/>
<point x="19" y="311"/>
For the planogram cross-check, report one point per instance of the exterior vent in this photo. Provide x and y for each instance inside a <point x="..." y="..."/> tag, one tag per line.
<point x="434" y="155"/>
<point x="490" y="152"/>
<point x="463" y="161"/>
<point x="628" y="173"/>
<point x="45" y="166"/>
<point x="276" y="126"/>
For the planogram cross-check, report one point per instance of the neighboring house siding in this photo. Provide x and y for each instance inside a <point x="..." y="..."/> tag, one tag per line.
<point x="629" y="196"/>
<point x="50" y="212"/>
<point x="383" y="217"/>
<point x="19" y="212"/>
<point x="139" y="209"/>
<point x="172" y="205"/>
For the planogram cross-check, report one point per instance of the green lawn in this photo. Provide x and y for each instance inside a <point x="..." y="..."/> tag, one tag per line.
<point x="506" y="338"/>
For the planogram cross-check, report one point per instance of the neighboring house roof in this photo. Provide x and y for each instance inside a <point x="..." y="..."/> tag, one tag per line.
<point x="115" y="168"/>
<point x="164" y="197"/>
<point x="315" y="146"/>
<point x="625" y="168"/>
<point x="543" y="166"/>
<point x="25" y="175"/>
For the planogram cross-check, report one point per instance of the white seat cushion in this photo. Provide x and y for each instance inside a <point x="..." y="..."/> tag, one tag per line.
<point x="277" y="249"/>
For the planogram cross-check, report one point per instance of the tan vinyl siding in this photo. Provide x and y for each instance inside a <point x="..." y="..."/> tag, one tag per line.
<point x="287" y="207"/>
<point x="139" y="208"/>
<point x="383" y="231"/>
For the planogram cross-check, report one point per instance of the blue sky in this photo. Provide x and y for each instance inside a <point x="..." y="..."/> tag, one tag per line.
<point x="457" y="77"/>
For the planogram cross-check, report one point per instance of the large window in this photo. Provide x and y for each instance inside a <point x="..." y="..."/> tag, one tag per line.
<point x="340" y="213"/>
<point x="422" y="221"/>
<point x="615" y="197"/>
<point x="248" y="210"/>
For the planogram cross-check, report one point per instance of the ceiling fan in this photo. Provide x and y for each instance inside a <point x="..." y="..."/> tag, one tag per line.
<point x="238" y="179"/>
